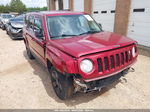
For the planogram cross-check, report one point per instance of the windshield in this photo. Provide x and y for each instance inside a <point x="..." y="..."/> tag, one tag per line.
<point x="71" y="25"/>
<point x="7" y="16"/>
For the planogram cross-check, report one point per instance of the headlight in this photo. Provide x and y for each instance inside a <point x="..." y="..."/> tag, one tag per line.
<point x="133" y="52"/>
<point x="86" y="65"/>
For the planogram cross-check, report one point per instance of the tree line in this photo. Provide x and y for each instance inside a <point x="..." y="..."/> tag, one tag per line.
<point x="19" y="7"/>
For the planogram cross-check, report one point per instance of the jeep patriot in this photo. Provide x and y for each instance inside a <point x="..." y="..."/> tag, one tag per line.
<point x="78" y="54"/>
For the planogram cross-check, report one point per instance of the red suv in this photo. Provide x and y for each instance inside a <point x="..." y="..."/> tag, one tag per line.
<point x="79" y="55"/>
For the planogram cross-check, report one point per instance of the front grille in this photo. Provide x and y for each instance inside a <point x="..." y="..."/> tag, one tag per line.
<point x="106" y="63"/>
<point x="100" y="65"/>
<point x="117" y="60"/>
<point x="127" y="57"/>
<point x="122" y="58"/>
<point x="114" y="60"/>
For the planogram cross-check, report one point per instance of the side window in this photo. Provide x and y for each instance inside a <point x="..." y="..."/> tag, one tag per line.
<point x="38" y="29"/>
<point x="37" y="23"/>
<point x="30" y="22"/>
<point x="26" y="20"/>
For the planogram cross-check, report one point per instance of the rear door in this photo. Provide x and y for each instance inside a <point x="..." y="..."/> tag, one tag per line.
<point x="29" y="34"/>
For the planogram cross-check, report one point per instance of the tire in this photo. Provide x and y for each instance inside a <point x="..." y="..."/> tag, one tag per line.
<point x="3" y="27"/>
<point x="29" y="54"/>
<point x="62" y="85"/>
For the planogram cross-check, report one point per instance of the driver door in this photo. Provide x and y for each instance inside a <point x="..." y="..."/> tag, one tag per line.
<point x="39" y="40"/>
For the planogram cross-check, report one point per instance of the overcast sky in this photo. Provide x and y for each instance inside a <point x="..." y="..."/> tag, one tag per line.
<point x="28" y="3"/>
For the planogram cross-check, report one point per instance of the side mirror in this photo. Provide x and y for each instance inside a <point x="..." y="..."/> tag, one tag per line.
<point x="39" y="33"/>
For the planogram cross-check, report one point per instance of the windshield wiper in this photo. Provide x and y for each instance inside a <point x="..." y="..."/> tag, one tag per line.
<point x="63" y="35"/>
<point x="88" y="32"/>
<point x="67" y="35"/>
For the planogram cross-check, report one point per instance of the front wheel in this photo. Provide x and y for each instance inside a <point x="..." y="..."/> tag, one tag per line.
<point x="62" y="85"/>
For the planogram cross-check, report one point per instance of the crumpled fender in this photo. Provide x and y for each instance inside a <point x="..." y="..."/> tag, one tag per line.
<point x="61" y="61"/>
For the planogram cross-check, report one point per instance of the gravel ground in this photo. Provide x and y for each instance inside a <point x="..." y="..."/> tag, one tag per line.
<point x="25" y="84"/>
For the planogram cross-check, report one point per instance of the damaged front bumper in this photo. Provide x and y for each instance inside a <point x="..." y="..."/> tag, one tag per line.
<point x="16" y="33"/>
<point x="83" y="86"/>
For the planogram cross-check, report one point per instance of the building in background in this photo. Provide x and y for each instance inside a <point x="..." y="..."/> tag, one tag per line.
<point x="126" y="17"/>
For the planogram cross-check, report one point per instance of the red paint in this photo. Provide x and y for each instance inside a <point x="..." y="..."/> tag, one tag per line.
<point x="87" y="44"/>
<point x="66" y="54"/>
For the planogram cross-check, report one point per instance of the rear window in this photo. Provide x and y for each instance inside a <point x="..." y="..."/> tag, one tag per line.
<point x="17" y="19"/>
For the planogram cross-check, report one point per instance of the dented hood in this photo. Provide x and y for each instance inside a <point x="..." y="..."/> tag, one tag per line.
<point x="78" y="46"/>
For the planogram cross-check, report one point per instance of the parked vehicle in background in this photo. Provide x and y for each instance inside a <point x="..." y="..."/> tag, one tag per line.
<point x="78" y="54"/>
<point x="0" y="20"/>
<point x="5" y="19"/>
<point x="0" y="16"/>
<point x="14" y="27"/>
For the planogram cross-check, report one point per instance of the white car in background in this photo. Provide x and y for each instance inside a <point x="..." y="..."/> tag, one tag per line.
<point x="4" y="19"/>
